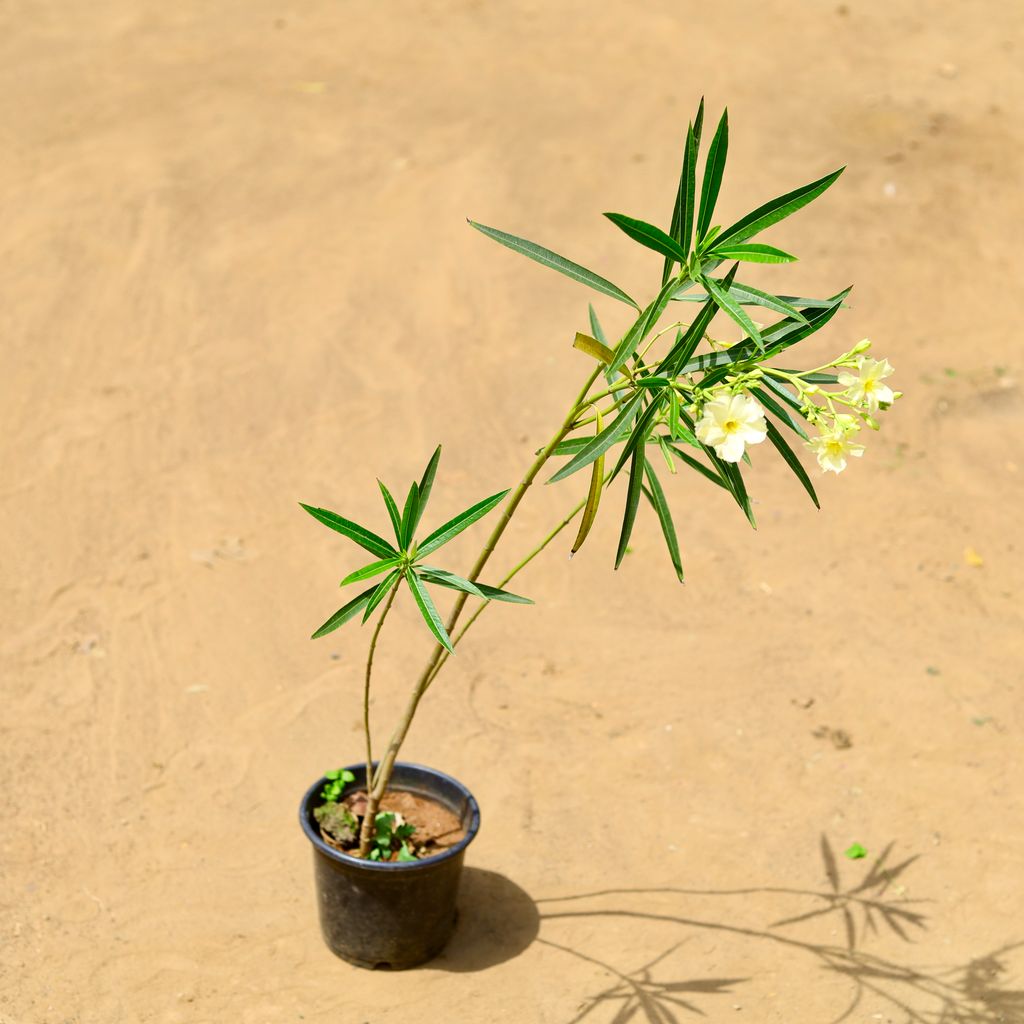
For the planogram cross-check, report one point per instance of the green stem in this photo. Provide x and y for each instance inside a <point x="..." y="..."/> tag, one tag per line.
<point x="511" y="575"/>
<point x="384" y="769"/>
<point x="366" y="832"/>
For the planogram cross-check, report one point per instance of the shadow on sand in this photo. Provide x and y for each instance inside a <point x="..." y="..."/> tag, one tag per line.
<point x="500" y="921"/>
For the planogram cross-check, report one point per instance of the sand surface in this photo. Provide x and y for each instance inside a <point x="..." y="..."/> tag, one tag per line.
<point x="238" y="275"/>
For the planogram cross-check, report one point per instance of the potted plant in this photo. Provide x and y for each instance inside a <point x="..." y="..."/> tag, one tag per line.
<point x="389" y="837"/>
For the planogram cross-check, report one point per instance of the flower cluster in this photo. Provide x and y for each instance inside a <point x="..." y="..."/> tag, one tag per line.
<point x="728" y="418"/>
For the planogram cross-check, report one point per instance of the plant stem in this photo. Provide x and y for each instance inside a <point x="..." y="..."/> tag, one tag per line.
<point x="511" y="574"/>
<point x="383" y="775"/>
<point x="366" y="832"/>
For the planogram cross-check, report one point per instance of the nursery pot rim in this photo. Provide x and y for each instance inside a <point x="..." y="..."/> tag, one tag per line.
<point x="313" y="832"/>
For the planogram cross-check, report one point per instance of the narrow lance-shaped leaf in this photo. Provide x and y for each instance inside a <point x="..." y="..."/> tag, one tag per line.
<point x="686" y="213"/>
<point x="409" y="515"/>
<point x="360" y="534"/>
<point x="776" y="209"/>
<point x="656" y="496"/>
<point x="593" y="497"/>
<point x="593" y="348"/>
<point x="444" y="578"/>
<point x="598" y="445"/>
<point x="636" y="478"/>
<point x="779" y="411"/>
<point x="595" y="325"/>
<point x="344" y="613"/>
<point x="683" y="191"/>
<point x="648" y="235"/>
<point x="714" y="169"/>
<point x="699" y="467"/>
<point x="732" y="309"/>
<point x="674" y="363"/>
<point x="392" y="579"/>
<point x="448" y="579"/>
<point x="367" y="572"/>
<point x="748" y="295"/>
<point x="791" y="460"/>
<point x="426" y="484"/>
<point x="392" y="507"/>
<point x="551" y="259"/>
<point x="455" y="526"/>
<point x="428" y="610"/>
<point x="643" y="326"/>
<point x="497" y="594"/>
<point x="752" y="252"/>
<point x="638" y="438"/>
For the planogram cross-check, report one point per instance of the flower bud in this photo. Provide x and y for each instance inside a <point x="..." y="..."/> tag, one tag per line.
<point x="811" y="389"/>
<point x="871" y="422"/>
<point x="861" y="346"/>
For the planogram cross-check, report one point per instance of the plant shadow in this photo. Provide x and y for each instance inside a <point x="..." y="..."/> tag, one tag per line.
<point x="500" y="921"/>
<point x="497" y="921"/>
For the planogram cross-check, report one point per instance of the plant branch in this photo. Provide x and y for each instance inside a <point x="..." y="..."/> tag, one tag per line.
<point x="366" y="832"/>
<point x="383" y="774"/>
<point x="511" y="574"/>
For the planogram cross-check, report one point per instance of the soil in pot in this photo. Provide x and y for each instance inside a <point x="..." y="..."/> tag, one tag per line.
<point x="434" y="827"/>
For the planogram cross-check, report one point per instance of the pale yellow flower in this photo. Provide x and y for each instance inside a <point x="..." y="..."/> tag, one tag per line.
<point x="731" y="422"/>
<point x="866" y="387"/>
<point x="833" y="447"/>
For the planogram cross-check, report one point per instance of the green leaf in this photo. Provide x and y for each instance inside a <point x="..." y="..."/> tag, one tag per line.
<point x="791" y="460"/>
<point x="409" y="515"/>
<point x="779" y="411"/>
<point x="682" y="209"/>
<point x="699" y="467"/>
<point x="455" y="526"/>
<point x="497" y="594"/>
<point x="753" y="252"/>
<point x="404" y="855"/>
<point x="344" y="613"/>
<point x="593" y="348"/>
<point x="369" y="571"/>
<point x="732" y="308"/>
<point x="748" y="295"/>
<point x="595" y="325"/>
<point x="638" y="438"/>
<point x="443" y="578"/>
<point x="392" y="507"/>
<point x="383" y="588"/>
<point x="570" y="446"/>
<point x="653" y="383"/>
<point x="551" y="259"/>
<point x="598" y="445"/>
<point x="643" y="325"/>
<point x="714" y="168"/>
<point x="656" y="496"/>
<point x="636" y="477"/>
<point x="428" y="610"/>
<point x="674" y="363"/>
<point x="363" y="537"/>
<point x="855" y="852"/>
<point x="649" y="235"/>
<point x="425" y="486"/>
<point x="775" y="210"/>
<point x="779" y="389"/>
<point x="731" y="472"/>
<point x="593" y="497"/>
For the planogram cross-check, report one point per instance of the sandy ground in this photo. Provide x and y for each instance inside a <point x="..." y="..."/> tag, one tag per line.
<point x="239" y="276"/>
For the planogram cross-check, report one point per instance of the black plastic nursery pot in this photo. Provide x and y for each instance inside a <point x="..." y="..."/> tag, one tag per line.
<point x="395" y="915"/>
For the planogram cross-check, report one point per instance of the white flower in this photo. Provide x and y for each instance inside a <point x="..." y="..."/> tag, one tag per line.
<point x="731" y="422"/>
<point x="833" y="447"/>
<point x="866" y="387"/>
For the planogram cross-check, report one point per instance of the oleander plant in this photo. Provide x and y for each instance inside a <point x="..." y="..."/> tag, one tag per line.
<point x="699" y="380"/>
